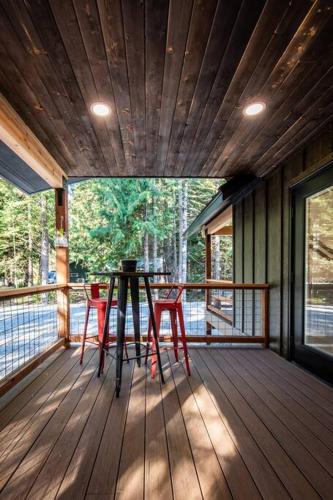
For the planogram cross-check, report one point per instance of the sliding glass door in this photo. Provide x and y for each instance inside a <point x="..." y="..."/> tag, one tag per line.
<point x="313" y="274"/>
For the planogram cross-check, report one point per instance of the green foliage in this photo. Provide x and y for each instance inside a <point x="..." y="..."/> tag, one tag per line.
<point x="20" y="220"/>
<point x="110" y="219"/>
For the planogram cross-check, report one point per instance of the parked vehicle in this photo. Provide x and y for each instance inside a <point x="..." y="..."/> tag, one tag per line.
<point x="52" y="277"/>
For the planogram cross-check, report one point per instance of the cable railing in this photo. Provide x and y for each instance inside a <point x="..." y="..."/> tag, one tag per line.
<point x="34" y="320"/>
<point x="213" y="312"/>
<point x="28" y="326"/>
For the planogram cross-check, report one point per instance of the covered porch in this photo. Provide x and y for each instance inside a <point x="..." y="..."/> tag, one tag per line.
<point x="240" y="91"/>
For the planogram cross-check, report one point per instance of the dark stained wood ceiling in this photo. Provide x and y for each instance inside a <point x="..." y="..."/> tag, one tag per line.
<point x="176" y="74"/>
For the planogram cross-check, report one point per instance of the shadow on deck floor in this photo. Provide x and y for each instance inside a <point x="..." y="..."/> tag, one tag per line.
<point x="246" y="424"/>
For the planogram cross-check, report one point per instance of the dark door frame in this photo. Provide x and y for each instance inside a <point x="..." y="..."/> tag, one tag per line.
<point x="318" y="362"/>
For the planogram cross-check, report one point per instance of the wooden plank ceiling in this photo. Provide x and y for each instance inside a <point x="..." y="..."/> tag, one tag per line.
<point x="176" y="75"/>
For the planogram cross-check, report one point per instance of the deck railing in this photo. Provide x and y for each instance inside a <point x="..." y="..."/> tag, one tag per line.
<point x="213" y="312"/>
<point x="29" y="327"/>
<point x="33" y="320"/>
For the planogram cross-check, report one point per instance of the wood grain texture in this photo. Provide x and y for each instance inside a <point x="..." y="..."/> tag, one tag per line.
<point x="176" y="75"/>
<point x="239" y="427"/>
<point x="19" y="138"/>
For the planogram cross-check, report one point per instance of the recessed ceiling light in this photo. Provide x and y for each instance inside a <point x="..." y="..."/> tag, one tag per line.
<point x="100" y="109"/>
<point x="254" y="109"/>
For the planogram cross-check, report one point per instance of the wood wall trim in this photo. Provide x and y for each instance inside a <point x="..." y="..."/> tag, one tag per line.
<point x="220" y="221"/>
<point x="313" y="169"/>
<point x="20" y="139"/>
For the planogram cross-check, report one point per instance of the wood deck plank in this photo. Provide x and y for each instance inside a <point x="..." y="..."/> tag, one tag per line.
<point x="157" y="470"/>
<point x="23" y="477"/>
<point x="20" y="420"/>
<point x="309" y="402"/>
<point x="212" y="480"/>
<point x="183" y="472"/>
<point x="234" y="429"/>
<point x="104" y="472"/>
<point x="262" y="373"/>
<point x="28" y="381"/>
<point x="130" y="481"/>
<point x="54" y="468"/>
<point x="304" y="381"/>
<point x="249" y="452"/>
<point x="76" y="479"/>
<point x="16" y="399"/>
<point x="289" y="474"/>
<point x="314" y="446"/>
<point x="11" y="459"/>
<point x="296" y="451"/>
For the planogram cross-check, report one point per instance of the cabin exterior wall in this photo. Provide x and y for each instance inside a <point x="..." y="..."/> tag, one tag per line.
<point x="262" y="233"/>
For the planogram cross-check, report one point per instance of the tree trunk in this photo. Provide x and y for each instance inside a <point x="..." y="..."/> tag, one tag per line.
<point x="155" y="242"/>
<point x="175" y="248"/>
<point x="183" y="202"/>
<point x="30" y="258"/>
<point x="146" y="244"/>
<point x="217" y="258"/>
<point x="180" y="231"/>
<point x="14" y="261"/>
<point x="44" y="250"/>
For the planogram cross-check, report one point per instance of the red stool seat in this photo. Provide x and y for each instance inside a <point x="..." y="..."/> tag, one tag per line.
<point x="175" y="308"/>
<point x="98" y="303"/>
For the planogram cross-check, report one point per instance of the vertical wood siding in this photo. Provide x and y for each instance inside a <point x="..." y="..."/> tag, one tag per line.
<point x="263" y="235"/>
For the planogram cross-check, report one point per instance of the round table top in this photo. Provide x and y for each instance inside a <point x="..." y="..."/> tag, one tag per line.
<point x="126" y="274"/>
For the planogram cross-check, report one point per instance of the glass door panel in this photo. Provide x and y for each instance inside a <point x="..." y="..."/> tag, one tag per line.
<point x="318" y="283"/>
<point x="312" y="299"/>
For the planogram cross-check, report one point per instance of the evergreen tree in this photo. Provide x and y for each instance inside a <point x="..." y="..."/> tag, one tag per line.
<point x="110" y="219"/>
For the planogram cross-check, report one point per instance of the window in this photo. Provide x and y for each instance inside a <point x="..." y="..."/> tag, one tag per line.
<point x="220" y="262"/>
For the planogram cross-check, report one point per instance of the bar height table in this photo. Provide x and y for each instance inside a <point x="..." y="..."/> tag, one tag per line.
<point x="125" y="279"/>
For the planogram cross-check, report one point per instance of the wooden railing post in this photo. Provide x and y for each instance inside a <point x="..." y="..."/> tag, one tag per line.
<point x="264" y="315"/>
<point x="62" y="261"/>
<point x="208" y="263"/>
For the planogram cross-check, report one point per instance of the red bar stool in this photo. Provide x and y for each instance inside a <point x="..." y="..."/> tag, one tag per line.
<point x="175" y="308"/>
<point x="98" y="303"/>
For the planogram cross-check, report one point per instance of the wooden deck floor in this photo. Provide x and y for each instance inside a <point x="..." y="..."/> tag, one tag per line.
<point x="245" y="425"/>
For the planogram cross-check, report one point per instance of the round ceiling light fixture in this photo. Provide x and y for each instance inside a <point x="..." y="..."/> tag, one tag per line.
<point x="100" y="109"/>
<point x="254" y="109"/>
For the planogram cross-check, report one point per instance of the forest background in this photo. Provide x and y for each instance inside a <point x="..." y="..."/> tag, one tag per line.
<point x="110" y="219"/>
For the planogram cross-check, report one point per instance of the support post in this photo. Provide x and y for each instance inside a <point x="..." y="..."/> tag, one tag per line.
<point x="265" y="316"/>
<point x="62" y="262"/>
<point x="208" y="273"/>
<point x="208" y="262"/>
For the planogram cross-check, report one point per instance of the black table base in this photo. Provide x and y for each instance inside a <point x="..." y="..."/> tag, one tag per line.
<point x="125" y="279"/>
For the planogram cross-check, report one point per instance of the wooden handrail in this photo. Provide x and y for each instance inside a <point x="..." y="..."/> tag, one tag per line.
<point x="30" y="290"/>
<point x="218" y="285"/>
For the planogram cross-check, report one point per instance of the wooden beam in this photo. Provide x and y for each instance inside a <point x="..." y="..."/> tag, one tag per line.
<point x="210" y="285"/>
<point x="11" y="293"/>
<point x="198" y="339"/>
<point x="208" y="263"/>
<point x="62" y="262"/>
<point x="20" y="139"/>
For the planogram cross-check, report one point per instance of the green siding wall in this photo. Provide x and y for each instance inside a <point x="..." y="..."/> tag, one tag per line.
<point x="263" y="236"/>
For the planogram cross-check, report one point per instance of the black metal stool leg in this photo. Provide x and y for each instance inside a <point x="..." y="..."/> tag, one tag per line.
<point x="136" y="316"/>
<point x="153" y="323"/>
<point x="121" y="320"/>
<point x="106" y="323"/>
